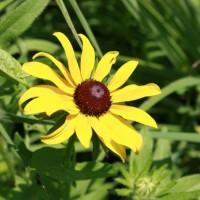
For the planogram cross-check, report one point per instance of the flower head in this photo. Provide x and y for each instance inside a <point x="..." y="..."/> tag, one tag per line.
<point x="90" y="104"/>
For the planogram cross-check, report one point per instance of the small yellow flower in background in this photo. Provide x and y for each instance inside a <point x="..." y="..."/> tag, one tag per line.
<point x="90" y="103"/>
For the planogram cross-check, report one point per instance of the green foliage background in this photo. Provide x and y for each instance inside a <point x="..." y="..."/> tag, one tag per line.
<point x="164" y="37"/>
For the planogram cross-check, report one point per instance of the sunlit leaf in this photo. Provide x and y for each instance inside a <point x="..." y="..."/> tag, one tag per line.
<point x="10" y="67"/>
<point x="187" y="184"/>
<point x="19" y="20"/>
<point x="182" y="196"/>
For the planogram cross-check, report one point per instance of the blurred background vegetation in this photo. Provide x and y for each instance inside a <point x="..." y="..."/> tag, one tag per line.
<point x="163" y="35"/>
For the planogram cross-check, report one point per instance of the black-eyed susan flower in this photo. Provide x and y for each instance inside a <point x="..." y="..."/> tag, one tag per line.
<point x="90" y="104"/>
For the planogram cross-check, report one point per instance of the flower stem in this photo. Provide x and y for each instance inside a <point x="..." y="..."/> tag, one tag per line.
<point x="86" y="26"/>
<point x="5" y="135"/>
<point x="8" y="160"/>
<point x="65" y="13"/>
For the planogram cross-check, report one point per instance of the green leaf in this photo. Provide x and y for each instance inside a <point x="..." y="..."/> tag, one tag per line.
<point x="24" y="119"/>
<point x="123" y="192"/>
<point x="11" y="68"/>
<point x="96" y="146"/>
<point x="47" y="157"/>
<point x="49" y="161"/>
<point x="124" y="182"/>
<point x="20" y="19"/>
<point x="5" y="134"/>
<point x="95" y="169"/>
<point x="4" y="116"/>
<point x="162" y="177"/>
<point x="162" y="153"/>
<point x="182" y="196"/>
<point x="4" y="4"/>
<point x="22" y="150"/>
<point x="187" y="184"/>
<point x="32" y="191"/>
<point x="91" y="189"/>
<point x="36" y="45"/>
<point x="142" y="161"/>
<point x="59" y="174"/>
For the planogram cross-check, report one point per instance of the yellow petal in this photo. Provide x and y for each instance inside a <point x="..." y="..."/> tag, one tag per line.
<point x="122" y="75"/>
<point x="61" y="134"/>
<point x="134" y="92"/>
<point x="57" y="131"/>
<point x="60" y="66"/>
<point x="71" y="59"/>
<point x="42" y="71"/>
<point x="83" y="130"/>
<point x="121" y="131"/>
<point x="50" y="105"/>
<point x="40" y="90"/>
<point x="134" y="114"/>
<point x="105" y="137"/>
<point x="105" y="64"/>
<point x="87" y="58"/>
<point x="116" y="148"/>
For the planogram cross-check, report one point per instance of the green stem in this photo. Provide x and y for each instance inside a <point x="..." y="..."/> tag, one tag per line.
<point x="169" y="89"/>
<point x="189" y="137"/>
<point x="86" y="26"/>
<point x="65" y="13"/>
<point x="7" y="159"/>
<point x="69" y="153"/>
<point x="66" y="191"/>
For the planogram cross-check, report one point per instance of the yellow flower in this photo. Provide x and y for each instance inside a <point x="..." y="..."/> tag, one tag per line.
<point x="90" y="103"/>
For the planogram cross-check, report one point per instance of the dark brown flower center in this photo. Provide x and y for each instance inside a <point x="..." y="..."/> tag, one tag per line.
<point x="92" y="97"/>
